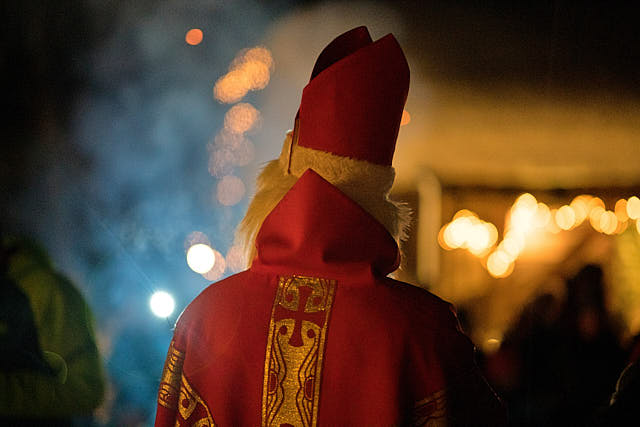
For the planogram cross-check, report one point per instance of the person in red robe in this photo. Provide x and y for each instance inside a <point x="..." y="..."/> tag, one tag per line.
<point x="314" y="332"/>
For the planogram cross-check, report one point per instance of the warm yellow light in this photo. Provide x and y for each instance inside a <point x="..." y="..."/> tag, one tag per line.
<point x="594" y="217"/>
<point x="552" y="226"/>
<point x="441" y="238"/>
<point x="250" y="70"/>
<point x="457" y="232"/>
<point x="231" y="87"/>
<point x="259" y="54"/>
<point x="241" y="118"/>
<point x="621" y="210"/>
<point x="542" y="216"/>
<point x="491" y="345"/>
<point x="523" y="212"/>
<point x="638" y="225"/>
<point x="194" y="36"/>
<point x="608" y="222"/>
<point x="493" y="233"/>
<point x="200" y="258"/>
<point x="499" y="264"/>
<point x="622" y="227"/>
<point x="479" y="238"/>
<point x="406" y="118"/>
<point x="565" y="217"/>
<point x="464" y="213"/>
<point x="633" y="207"/>
<point x="513" y="244"/>
<point x="526" y="200"/>
<point x="580" y="206"/>
<point x="595" y="202"/>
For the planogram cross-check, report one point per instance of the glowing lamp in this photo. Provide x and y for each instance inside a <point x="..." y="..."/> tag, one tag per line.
<point x="162" y="304"/>
<point x="201" y="258"/>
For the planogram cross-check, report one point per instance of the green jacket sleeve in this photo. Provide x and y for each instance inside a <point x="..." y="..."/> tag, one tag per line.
<point x="75" y="384"/>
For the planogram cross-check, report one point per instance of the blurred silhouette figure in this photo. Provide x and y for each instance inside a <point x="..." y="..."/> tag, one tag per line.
<point x="524" y="370"/>
<point x="590" y="354"/>
<point x="50" y="371"/>
<point x="558" y="365"/>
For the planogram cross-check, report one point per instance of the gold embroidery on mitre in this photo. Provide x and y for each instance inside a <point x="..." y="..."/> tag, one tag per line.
<point x="295" y="351"/>
<point x="430" y="411"/>
<point x="190" y="402"/>
<point x="169" y="390"/>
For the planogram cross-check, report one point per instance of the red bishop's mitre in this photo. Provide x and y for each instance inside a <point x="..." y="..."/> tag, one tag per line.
<point x="353" y="104"/>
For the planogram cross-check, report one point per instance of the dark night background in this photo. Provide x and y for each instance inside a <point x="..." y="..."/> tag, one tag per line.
<point x="108" y="113"/>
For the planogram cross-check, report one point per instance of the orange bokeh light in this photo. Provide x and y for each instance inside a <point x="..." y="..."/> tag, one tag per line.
<point x="194" y="36"/>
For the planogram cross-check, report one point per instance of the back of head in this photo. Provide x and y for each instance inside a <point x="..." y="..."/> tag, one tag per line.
<point x="345" y="130"/>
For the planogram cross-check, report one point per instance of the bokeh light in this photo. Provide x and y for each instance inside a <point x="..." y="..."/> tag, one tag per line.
<point x="196" y="237"/>
<point x="594" y="217"/>
<point x="230" y="190"/>
<point x="621" y="210"/>
<point x="456" y="233"/>
<point x="216" y="272"/>
<point x="162" y="304"/>
<point x="467" y="231"/>
<point x="512" y="244"/>
<point x="250" y="70"/>
<point x="241" y="118"/>
<point x="522" y="213"/>
<point x="194" y="36"/>
<point x="235" y="259"/>
<point x="580" y="206"/>
<point x="200" y="258"/>
<point x="633" y="207"/>
<point x="499" y="264"/>
<point x="565" y="217"/>
<point x="608" y="222"/>
<point x="542" y="216"/>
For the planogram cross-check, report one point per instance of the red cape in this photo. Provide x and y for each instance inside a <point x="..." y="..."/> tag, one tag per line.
<point x="314" y="333"/>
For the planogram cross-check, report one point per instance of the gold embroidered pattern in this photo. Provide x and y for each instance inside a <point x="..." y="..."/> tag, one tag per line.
<point x="295" y="351"/>
<point x="430" y="411"/>
<point x="170" y="382"/>
<point x="192" y="408"/>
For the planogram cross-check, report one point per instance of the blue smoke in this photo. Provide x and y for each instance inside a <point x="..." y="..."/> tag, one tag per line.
<point x="143" y="124"/>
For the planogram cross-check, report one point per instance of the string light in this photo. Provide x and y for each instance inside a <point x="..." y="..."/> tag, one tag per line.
<point x="467" y="231"/>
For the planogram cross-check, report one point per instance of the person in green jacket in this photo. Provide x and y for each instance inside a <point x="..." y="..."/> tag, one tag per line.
<point x="50" y="368"/>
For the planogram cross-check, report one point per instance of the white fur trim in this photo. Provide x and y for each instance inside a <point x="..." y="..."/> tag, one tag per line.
<point x="365" y="183"/>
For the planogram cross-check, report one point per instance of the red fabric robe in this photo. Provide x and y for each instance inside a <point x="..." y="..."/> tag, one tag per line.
<point x="314" y="333"/>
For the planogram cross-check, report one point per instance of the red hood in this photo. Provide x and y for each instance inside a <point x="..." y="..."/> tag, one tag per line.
<point x="316" y="230"/>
